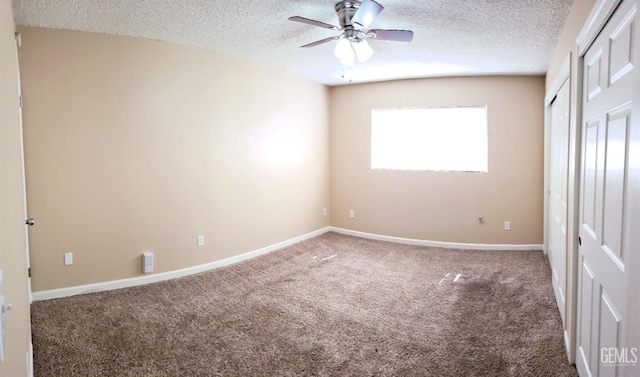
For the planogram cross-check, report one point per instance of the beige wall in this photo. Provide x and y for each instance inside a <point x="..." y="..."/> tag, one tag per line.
<point x="12" y="228"/>
<point x="567" y="39"/>
<point x="134" y="145"/>
<point x="442" y="206"/>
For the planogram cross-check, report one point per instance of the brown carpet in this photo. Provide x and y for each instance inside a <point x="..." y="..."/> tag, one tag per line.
<point x="334" y="306"/>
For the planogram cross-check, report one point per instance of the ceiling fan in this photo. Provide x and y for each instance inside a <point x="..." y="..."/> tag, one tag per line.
<point x="355" y="16"/>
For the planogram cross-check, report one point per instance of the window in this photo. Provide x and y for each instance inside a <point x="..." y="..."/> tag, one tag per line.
<point x="445" y="139"/>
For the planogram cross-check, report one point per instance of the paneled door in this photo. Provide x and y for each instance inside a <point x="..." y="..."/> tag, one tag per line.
<point x="28" y="221"/>
<point x="558" y="170"/>
<point x="604" y="227"/>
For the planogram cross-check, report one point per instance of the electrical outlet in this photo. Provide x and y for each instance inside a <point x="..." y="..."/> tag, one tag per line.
<point x="147" y="262"/>
<point x="324" y="212"/>
<point x="200" y="241"/>
<point x="68" y="259"/>
<point x="352" y="213"/>
<point x="507" y="225"/>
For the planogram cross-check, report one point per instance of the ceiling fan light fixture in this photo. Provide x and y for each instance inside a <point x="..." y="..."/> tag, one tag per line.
<point x="344" y="52"/>
<point x="355" y="16"/>
<point x="363" y="50"/>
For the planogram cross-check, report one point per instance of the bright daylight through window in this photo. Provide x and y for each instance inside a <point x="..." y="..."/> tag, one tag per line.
<point x="440" y="139"/>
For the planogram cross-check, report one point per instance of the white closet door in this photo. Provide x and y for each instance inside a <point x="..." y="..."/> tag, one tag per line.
<point x="558" y="169"/>
<point x="604" y="227"/>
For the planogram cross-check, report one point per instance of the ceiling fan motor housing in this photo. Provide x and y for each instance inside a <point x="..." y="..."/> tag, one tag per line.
<point x="345" y="10"/>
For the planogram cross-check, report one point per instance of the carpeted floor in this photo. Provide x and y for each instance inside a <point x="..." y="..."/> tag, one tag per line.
<point x="334" y="306"/>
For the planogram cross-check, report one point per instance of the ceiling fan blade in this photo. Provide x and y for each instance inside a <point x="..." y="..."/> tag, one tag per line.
<point x="309" y="21"/>
<point x="391" y="35"/>
<point x="321" y="42"/>
<point x="366" y="13"/>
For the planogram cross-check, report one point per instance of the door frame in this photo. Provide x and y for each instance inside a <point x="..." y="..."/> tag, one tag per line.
<point x="600" y="14"/>
<point x="598" y="18"/>
<point x="570" y="318"/>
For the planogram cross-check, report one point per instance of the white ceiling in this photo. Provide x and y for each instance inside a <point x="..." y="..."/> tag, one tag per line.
<point x="452" y="37"/>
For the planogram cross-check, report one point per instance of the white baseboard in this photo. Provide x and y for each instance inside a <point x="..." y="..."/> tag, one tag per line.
<point x="448" y="245"/>
<point x="567" y="347"/>
<point x="154" y="278"/>
<point x="30" y="360"/>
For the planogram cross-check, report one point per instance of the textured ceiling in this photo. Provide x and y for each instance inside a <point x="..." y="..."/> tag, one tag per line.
<point x="452" y="37"/>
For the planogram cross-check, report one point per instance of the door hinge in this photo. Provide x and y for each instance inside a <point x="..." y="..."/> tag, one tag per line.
<point x="20" y="101"/>
<point x="29" y="271"/>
